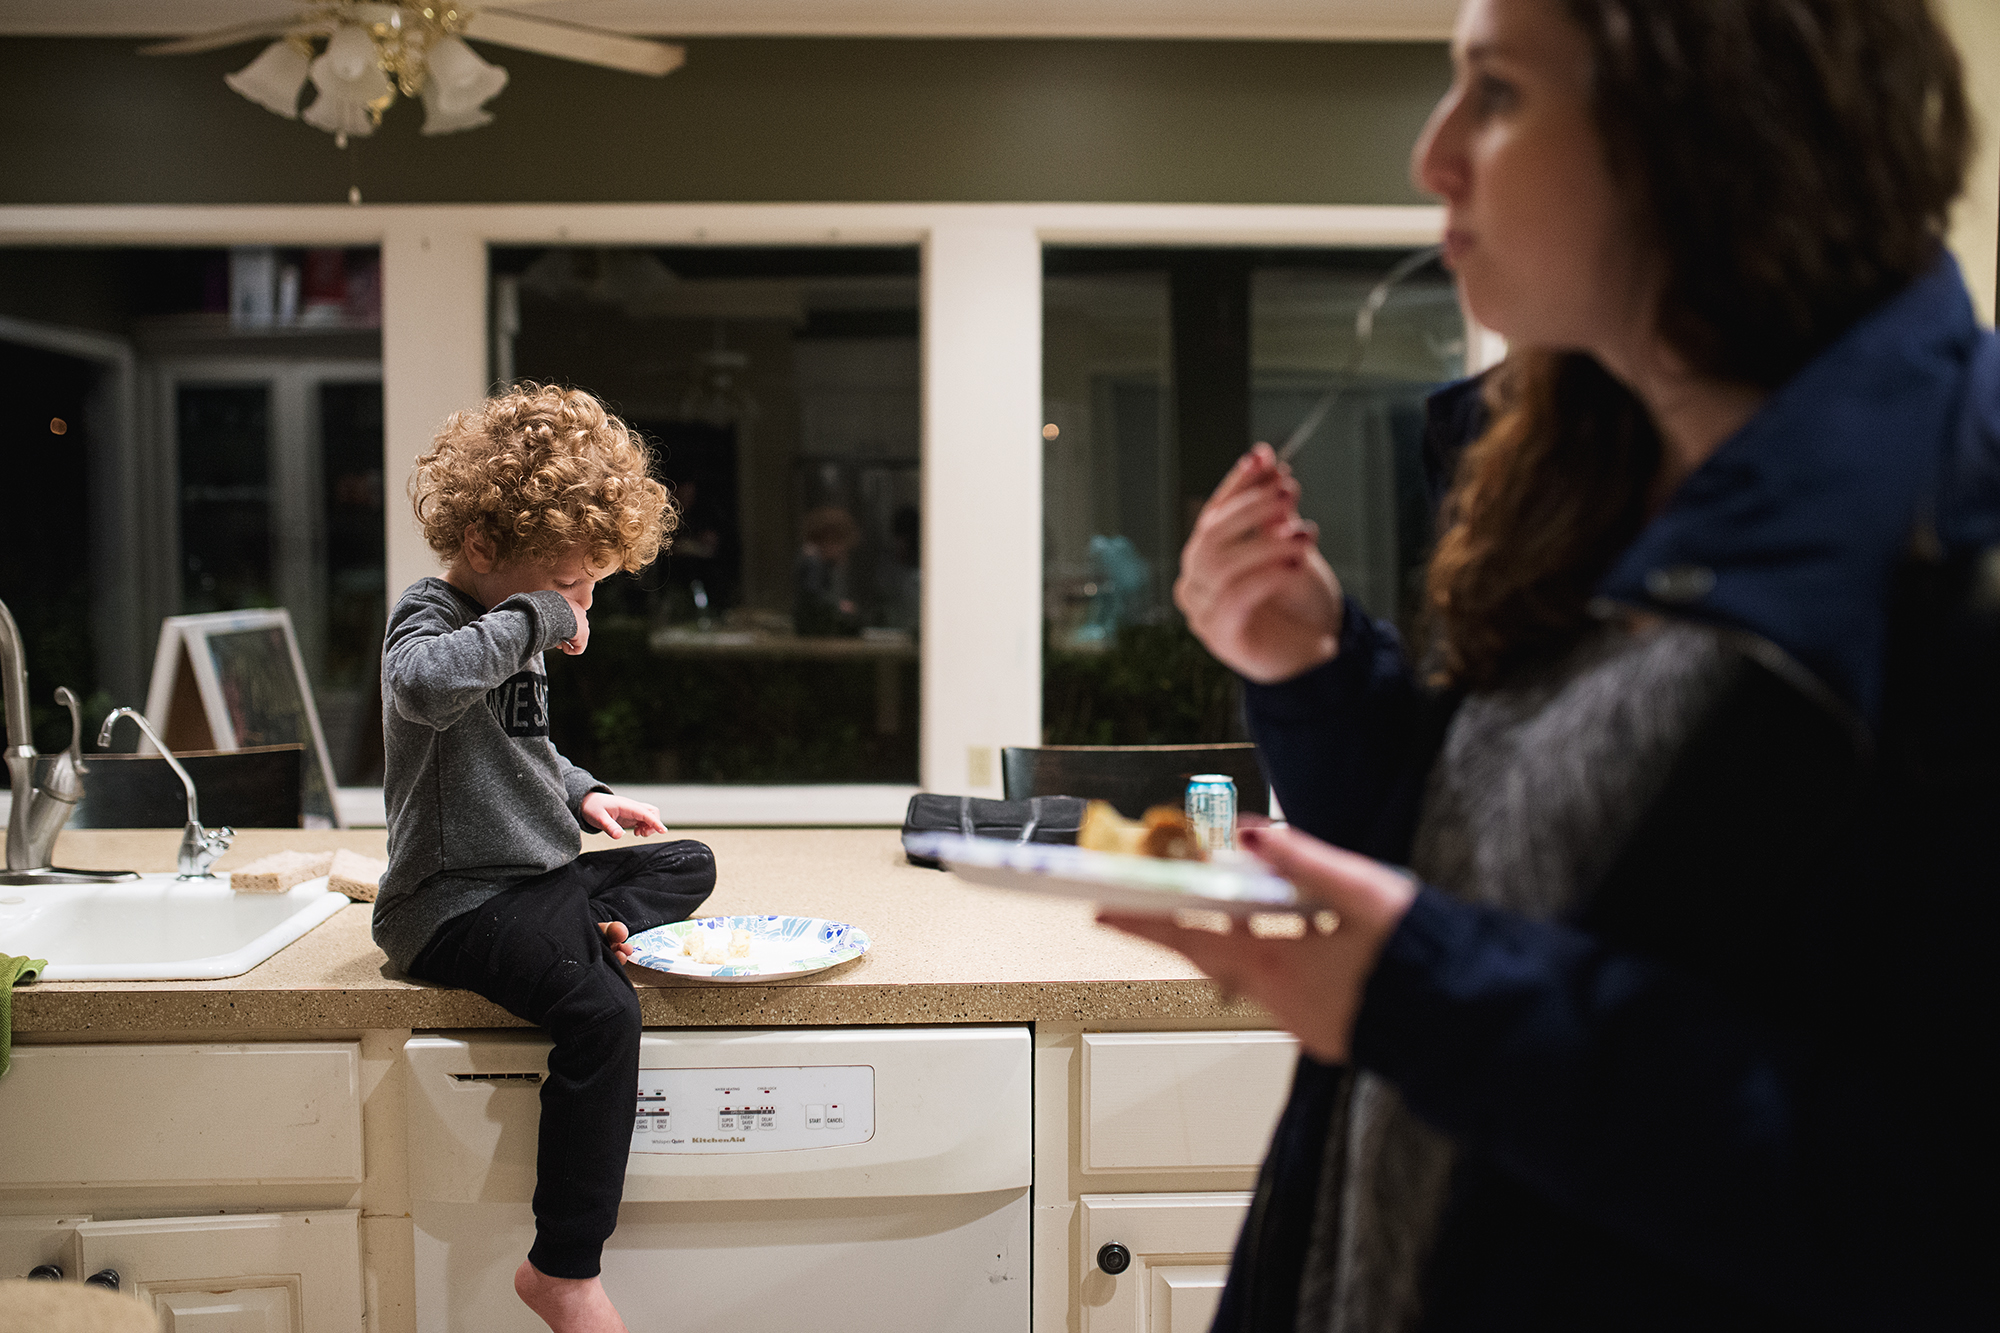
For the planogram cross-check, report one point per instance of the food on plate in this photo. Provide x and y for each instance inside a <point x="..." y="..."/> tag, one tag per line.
<point x="715" y="944"/>
<point x="1163" y="834"/>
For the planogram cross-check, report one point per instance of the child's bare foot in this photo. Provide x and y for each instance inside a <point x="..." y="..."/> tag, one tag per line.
<point x="567" y="1304"/>
<point x="616" y="935"/>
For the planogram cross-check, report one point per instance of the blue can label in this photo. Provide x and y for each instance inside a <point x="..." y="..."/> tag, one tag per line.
<point x="1211" y="810"/>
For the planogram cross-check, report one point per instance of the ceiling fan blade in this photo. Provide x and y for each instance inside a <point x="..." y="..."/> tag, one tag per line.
<point x="593" y="46"/>
<point x="218" y="38"/>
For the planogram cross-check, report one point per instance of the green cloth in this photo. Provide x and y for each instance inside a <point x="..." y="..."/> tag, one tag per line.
<point x="15" y="971"/>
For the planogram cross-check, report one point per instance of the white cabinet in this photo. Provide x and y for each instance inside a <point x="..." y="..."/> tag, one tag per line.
<point x="253" y="1114"/>
<point x="1182" y="1101"/>
<point x="1174" y="1253"/>
<point x="1148" y="1142"/>
<point x="27" y="1243"/>
<point x="236" y="1273"/>
<point x="269" y="1131"/>
<point x="243" y="1273"/>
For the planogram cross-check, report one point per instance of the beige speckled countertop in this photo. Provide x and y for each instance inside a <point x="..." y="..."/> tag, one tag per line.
<point x="944" y="952"/>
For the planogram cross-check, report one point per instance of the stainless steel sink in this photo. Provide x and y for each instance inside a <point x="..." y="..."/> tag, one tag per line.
<point x="156" y="927"/>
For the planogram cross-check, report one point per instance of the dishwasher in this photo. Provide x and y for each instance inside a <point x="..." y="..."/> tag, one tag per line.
<point x="822" y="1179"/>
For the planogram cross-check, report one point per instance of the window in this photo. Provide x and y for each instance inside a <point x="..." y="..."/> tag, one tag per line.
<point x="970" y="383"/>
<point x="1159" y="368"/>
<point x="220" y="448"/>
<point x="776" y="642"/>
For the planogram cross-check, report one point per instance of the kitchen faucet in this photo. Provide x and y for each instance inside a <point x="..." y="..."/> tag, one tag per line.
<point x="199" y="846"/>
<point x="40" y="809"/>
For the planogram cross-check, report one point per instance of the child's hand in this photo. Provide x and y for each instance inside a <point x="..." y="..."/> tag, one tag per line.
<point x="578" y="641"/>
<point x="613" y="814"/>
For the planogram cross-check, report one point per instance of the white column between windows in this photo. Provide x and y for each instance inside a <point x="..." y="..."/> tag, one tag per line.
<point x="433" y="361"/>
<point x="982" y="507"/>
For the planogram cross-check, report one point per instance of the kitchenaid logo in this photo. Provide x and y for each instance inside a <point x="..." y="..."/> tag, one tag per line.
<point x="736" y="1138"/>
<point x="521" y="704"/>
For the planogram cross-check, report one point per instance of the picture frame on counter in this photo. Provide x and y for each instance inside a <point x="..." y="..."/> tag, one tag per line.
<point x="235" y="680"/>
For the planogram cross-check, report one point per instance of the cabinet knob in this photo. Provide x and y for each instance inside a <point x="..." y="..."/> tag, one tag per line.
<point x="46" y="1273"/>
<point x="106" y="1278"/>
<point x="1114" y="1258"/>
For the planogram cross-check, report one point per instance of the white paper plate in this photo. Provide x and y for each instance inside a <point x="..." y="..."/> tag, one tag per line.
<point x="1136" y="883"/>
<point x="780" y="947"/>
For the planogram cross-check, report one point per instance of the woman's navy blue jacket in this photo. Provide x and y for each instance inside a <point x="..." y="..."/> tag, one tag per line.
<point x="1742" y="1086"/>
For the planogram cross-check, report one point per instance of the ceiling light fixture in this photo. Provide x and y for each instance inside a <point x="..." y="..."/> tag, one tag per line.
<point x="359" y="55"/>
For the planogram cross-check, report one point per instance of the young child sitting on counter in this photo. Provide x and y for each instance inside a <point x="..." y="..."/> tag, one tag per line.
<point x="531" y="498"/>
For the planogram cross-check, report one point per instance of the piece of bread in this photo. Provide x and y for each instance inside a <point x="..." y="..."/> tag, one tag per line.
<point x="280" y="871"/>
<point x="355" y="875"/>
<point x="1163" y="834"/>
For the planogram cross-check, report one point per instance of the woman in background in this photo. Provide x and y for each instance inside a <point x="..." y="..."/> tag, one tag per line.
<point x="1676" y="1022"/>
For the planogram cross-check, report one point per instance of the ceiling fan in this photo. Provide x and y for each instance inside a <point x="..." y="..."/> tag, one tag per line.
<point x="359" y="55"/>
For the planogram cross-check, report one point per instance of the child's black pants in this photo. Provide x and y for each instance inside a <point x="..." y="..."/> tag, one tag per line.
<point x="535" y="950"/>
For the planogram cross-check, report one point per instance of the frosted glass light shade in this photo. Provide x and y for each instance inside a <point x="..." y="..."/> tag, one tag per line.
<point x="350" y="59"/>
<point x="459" y="81"/>
<point x="349" y="76"/>
<point x="350" y="69"/>
<point x="437" y="120"/>
<point x="274" y="79"/>
<point x="339" y="116"/>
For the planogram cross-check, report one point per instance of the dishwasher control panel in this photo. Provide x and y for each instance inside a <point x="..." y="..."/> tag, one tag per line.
<point x="754" y="1110"/>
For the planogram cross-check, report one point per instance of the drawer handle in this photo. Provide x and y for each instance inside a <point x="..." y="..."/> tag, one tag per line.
<point x="1114" y="1258"/>
<point x="106" y="1278"/>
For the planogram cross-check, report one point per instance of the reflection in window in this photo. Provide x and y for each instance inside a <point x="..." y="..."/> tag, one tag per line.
<point x="776" y="641"/>
<point x="222" y="451"/>
<point x="1159" y="368"/>
<point x="224" y="437"/>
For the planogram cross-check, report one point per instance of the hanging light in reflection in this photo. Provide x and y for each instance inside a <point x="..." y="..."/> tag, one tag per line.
<point x="715" y="397"/>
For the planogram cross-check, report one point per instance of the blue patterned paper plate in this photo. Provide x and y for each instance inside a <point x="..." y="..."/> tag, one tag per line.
<point x="779" y="947"/>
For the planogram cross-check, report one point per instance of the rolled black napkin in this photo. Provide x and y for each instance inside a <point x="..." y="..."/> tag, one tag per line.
<point x="1040" y="819"/>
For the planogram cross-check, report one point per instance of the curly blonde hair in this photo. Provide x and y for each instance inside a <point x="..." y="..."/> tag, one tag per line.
<point x="542" y="470"/>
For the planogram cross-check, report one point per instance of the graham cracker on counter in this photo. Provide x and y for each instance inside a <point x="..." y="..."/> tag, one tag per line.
<point x="355" y="875"/>
<point x="280" y="871"/>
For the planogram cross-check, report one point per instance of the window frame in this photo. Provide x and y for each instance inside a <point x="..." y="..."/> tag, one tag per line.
<point x="980" y="667"/>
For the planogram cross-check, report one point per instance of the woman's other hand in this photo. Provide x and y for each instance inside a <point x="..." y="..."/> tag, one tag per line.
<point x="1253" y="585"/>
<point x="1312" y="982"/>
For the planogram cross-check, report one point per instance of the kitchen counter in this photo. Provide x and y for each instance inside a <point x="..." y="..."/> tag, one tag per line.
<point x="944" y="952"/>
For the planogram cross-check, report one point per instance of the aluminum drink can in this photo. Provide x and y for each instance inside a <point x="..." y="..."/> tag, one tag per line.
<point x="1211" y="809"/>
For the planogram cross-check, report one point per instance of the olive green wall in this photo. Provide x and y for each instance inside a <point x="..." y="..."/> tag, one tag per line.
<point x="763" y="119"/>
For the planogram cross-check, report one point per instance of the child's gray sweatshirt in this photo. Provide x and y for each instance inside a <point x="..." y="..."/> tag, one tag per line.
<point x="478" y="798"/>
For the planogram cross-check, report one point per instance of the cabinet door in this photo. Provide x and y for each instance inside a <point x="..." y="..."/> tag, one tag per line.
<point x="26" y="1243"/>
<point x="240" y="1273"/>
<point x="258" y="1113"/>
<point x="1182" y="1101"/>
<point x="1179" y="1247"/>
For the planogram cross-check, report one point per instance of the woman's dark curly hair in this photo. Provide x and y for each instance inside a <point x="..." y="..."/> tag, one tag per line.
<point x="541" y="471"/>
<point x="1794" y="162"/>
